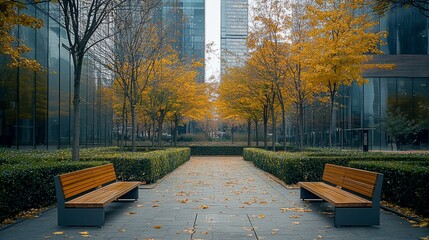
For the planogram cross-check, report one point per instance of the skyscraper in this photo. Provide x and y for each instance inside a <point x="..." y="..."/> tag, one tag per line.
<point x="186" y="20"/>
<point x="234" y="28"/>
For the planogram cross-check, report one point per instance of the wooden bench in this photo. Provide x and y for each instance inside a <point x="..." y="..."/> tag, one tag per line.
<point x="354" y="193"/>
<point x="82" y="195"/>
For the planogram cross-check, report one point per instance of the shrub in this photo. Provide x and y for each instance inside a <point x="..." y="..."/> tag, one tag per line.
<point x="216" y="150"/>
<point x="405" y="183"/>
<point x="291" y="167"/>
<point x="150" y="166"/>
<point x="25" y="186"/>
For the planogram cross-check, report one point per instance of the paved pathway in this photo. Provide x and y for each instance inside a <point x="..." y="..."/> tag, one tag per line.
<point x="216" y="198"/>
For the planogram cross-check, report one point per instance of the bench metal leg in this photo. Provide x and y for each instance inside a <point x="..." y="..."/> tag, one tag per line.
<point x="133" y="194"/>
<point x="81" y="217"/>
<point x="357" y="216"/>
<point x="305" y="194"/>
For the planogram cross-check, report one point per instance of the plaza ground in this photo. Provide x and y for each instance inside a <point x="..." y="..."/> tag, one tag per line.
<point x="215" y="198"/>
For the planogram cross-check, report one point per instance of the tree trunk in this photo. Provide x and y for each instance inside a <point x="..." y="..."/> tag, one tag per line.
<point x="249" y="135"/>
<point x="153" y="132"/>
<point x="265" y="127"/>
<point x="331" y="122"/>
<point x="76" y="108"/>
<point x="274" y="128"/>
<point x="176" y="129"/>
<point x="284" y="125"/>
<point x="256" y="133"/>
<point x="301" y="126"/>
<point x="133" y="128"/>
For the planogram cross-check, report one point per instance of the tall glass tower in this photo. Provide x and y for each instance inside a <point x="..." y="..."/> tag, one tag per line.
<point x="186" y="26"/>
<point x="234" y="29"/>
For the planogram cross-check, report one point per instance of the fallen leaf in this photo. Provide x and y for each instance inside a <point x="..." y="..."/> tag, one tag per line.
<point x="424" y="238"/>
<point x="294" y="216"/>
<point x="140" y="205"/>
<point x="203" y="207"/>
<point x="204" y="232"/>
<point x="155" y="205"/>
<point x="183" y="200"/>
<point x="157" y="227"/>
<point x="58" y="233"/>
<point x="295" y="223"/>
<point x="189" y="231"/>
<point x="130" y="213"/>
<point x="261" y="216"/>
<point x="85" y="234"/>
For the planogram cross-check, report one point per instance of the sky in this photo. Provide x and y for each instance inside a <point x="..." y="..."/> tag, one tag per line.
<point x="213" y="35"/>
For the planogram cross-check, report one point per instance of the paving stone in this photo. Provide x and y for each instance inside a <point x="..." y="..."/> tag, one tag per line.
<point x="216" y="198"/>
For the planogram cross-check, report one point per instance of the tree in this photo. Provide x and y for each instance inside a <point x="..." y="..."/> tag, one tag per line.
<point x="240" y="99"/>
<point x="81" y="21"/>
<point x="11" y="16"/>
<point x="399" y="126"/>
<point x="341" y="43"/>
<point x="383" y="6"/>
<point x="267" y="42"/>
<point x="131" y="54"/>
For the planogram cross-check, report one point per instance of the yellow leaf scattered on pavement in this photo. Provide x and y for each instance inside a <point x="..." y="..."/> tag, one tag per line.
<point x="58" y="233"/>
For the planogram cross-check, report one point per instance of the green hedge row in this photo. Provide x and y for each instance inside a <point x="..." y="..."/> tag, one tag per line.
<point x="25" y="186"/>
<point x="404" y="184"/>
<point x="406" y="177"/>
<point x="149" y="166"/>
<point x="26" y="177"/>
<point x="290" y="167"/>
<point x="216" y="150"/>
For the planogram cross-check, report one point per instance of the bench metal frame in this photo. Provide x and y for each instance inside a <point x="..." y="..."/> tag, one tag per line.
<point x="354" y="216"/>
<point x="83" y="216"/>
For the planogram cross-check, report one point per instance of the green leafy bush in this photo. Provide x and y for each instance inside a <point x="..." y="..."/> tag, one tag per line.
<point x="406" y="176"/>
<point x="149" y="166"/>
<point x="216" y="150"/>
<point x="291" y="167"/>
<point x="26" y="177"/>
<point x="405" y="184"/>
<point x="25" y="186"/>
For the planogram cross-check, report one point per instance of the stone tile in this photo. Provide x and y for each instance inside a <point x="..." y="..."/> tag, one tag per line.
<point x="216" y="198"/>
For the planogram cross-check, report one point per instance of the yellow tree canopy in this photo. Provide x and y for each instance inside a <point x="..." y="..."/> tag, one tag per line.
<point x="10" y="17"/>
<point x="341" y="42"/>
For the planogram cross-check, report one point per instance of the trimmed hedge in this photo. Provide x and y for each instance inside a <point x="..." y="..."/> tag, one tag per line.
<point x="404" y="184"/>
<point x="25" y="186"/>
<point x="290" y="167"/>
<point x="26" y="177"/>
<point x="406" y="176"/>
<point x="150" y="166"/>
<point x="216" y="150"/>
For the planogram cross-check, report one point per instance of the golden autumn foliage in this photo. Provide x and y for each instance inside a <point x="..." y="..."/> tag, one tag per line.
<point x="11" y="16"/>
<point x="341" y="45"/>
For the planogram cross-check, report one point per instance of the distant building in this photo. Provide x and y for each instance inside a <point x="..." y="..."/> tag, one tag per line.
<point x="234" y="31"/>
<point x="185" y="21"/>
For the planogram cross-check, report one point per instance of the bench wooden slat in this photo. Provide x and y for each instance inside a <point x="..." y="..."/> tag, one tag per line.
<point x="337" y="197"/>
<point x="78" y="182"/>
<point x="356" y="180"/>
<point x="103" y="196"/>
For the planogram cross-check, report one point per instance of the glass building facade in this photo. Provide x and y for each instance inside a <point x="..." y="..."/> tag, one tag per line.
<point x="186" y="26"/>
<point x="36" y="107"/>
<point x="234" y="31"/>
<point x="365" y="108"/>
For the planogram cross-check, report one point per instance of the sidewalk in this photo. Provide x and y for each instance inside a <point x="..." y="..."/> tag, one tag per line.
<point x="216" y="198"/>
